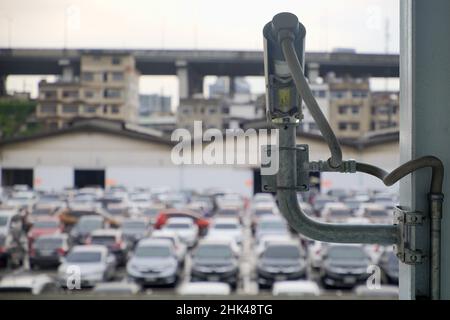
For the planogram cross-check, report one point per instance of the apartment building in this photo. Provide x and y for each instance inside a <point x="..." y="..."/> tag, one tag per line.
<point x="321" y="92"/>
<point x="108" y="87"/>
<point x="212" y="113"/>
<point x="350" y="107"/>
<point x="385" y="110"/>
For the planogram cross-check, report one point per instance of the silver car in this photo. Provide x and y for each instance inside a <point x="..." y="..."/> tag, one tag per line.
<point x="154" y="262"/>
<point x="91" y="263"/>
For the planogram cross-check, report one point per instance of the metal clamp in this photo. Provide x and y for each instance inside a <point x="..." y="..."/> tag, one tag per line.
<point x="407" y="221"/>
<point x="348" y="166"/>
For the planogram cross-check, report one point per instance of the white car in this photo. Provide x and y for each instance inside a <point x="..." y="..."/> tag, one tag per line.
<point x="226" y="228"/>
<point x="180" y="247"/>
<point x="185" y="228"/>
<point x="336" y="212"/>
<point x="204" y="289"/>
<point x="271" y="225"/>
<point x="93" y="262"/>
<point x="296" y="288"/>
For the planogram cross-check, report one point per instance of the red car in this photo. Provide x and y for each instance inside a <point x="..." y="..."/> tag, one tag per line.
<point x="45" y="225"/>
<point x="199" y="220"/>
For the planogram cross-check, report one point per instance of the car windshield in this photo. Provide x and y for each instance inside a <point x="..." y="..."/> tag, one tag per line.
<point x="133" y="225"/>
<point x="340" y="213"/>
<point x="151" y="212"/>
<point x="45" y="224"/>
<point x="376" y="213"/>
<point x="105" y="240"/>
<point x="282" y="252"/>
<point x="89" y="225"/>
<point x="49" y="198"/>
<point x="41" y="212"/>
<point x="48" y="243"/>
<point x="263" y="212"/>
<point x="84" y="257"/>
<point x="228" y="212"/>
<point x="178" y="226"/>
<point x="152" y="251"/>
<point x="272" y="225"/>
<point x="225" y="226"/>
<point x="211" y="251"/>
<point x="3" y="221"/>
<point x="117" y="212"/>
<point x="356" y="253"/>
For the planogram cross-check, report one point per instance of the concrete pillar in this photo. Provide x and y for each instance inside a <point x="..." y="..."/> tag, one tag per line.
<point x="313" y="72"/>
<point x="424" y="126"/>
<point x="190" y="82"/>
<point x="3" y="85"/>
<point x="183" y="79"/>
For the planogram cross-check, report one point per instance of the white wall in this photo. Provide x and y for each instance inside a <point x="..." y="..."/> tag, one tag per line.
<point x="54" y="178"/>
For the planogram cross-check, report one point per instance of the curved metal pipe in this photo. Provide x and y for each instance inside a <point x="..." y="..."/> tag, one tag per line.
<point x="326" y="232"/>
<point x="436" y="198"/>
<point x="302" y="86"/>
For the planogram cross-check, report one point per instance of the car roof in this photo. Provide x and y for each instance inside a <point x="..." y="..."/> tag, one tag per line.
<point x="63" y="236"/>
<point x="154" y="241"/>
<point x="233" y="220"/>
<point x="216" y="241"/>
<point x="179" y="220"/>
<point x="90" y="248"/>
<point x="106" y="232"/>
<point x="296" y="287"/>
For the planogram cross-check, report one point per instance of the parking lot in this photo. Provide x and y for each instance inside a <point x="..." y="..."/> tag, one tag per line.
<point x="240" y="247"/>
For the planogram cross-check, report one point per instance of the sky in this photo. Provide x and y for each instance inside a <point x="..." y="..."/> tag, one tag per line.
<point x="364" y="25"/>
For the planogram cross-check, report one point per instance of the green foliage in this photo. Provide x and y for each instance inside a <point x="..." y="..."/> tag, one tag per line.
<point x="13" y="115"/>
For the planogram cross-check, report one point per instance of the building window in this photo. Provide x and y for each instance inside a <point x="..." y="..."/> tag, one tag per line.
<point x="115" y="109"/>
<point x="70" y="94"/>
<point x="338" y="94"/>
<point x="105" y="77"/>
<point x="117" y="76"/>
<point x="355" y="126"/>
<point x="342" y="126"/>
<point x="48" y="108"/>
<point x="212" y="110"/>
<point x="112" y="93"/>
<point x="225" y="110"/>
<point x="185" y="111"/>
<point x="342" y="109"/>
<point x="87" y="76"/>
<point x="50" y="94"/>
<point x="70" y="108"/>
<point x="116" y="60"/>
<point x="90" y="109"/>
<point x="89" y="94"/>
<point x="355" y="109"/>
<point x="359" y="94"/>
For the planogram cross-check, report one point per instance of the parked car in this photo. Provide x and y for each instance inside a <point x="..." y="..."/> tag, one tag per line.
<point x="229" y="212"/>
<point x="151" y="212"/>
<point x="281" y="261"/>
<point x="377" y="214"/>
<point x="305" y="288"/>
<point x="389" y="265"/>
<point x="204" y="289"/>
<point x="226" y="228"/>
<point x="336" y="212"/>
<point x="215" y="260"/>
<point x="180" y="247"/>
<point x="320" y="201"/>
<point x="154" y="262"/>
<point x="113" y="240"/>
<point x="44" y="225"/>
<point x="48" y="250"/>
<point x="344" y="266"/>
<point x="271" y="225"/>
<point x="94" y="263"/>
<point x="201" y="222"/>
<point x="13" y="242"/>
<point x="135" y="229"/>
<point x="83" y="228"/>
<point x="28" y="283"/>
<point x="185" y="228"/>
<point x="384" y="292"/>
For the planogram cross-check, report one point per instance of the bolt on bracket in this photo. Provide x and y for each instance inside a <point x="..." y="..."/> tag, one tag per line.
<point x="407" y="222"/>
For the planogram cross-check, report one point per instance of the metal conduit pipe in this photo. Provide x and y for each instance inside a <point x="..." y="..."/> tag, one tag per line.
<point x="326" y="232"/>
<point x="435" y="197"/>
<point x="302" y="86"/>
